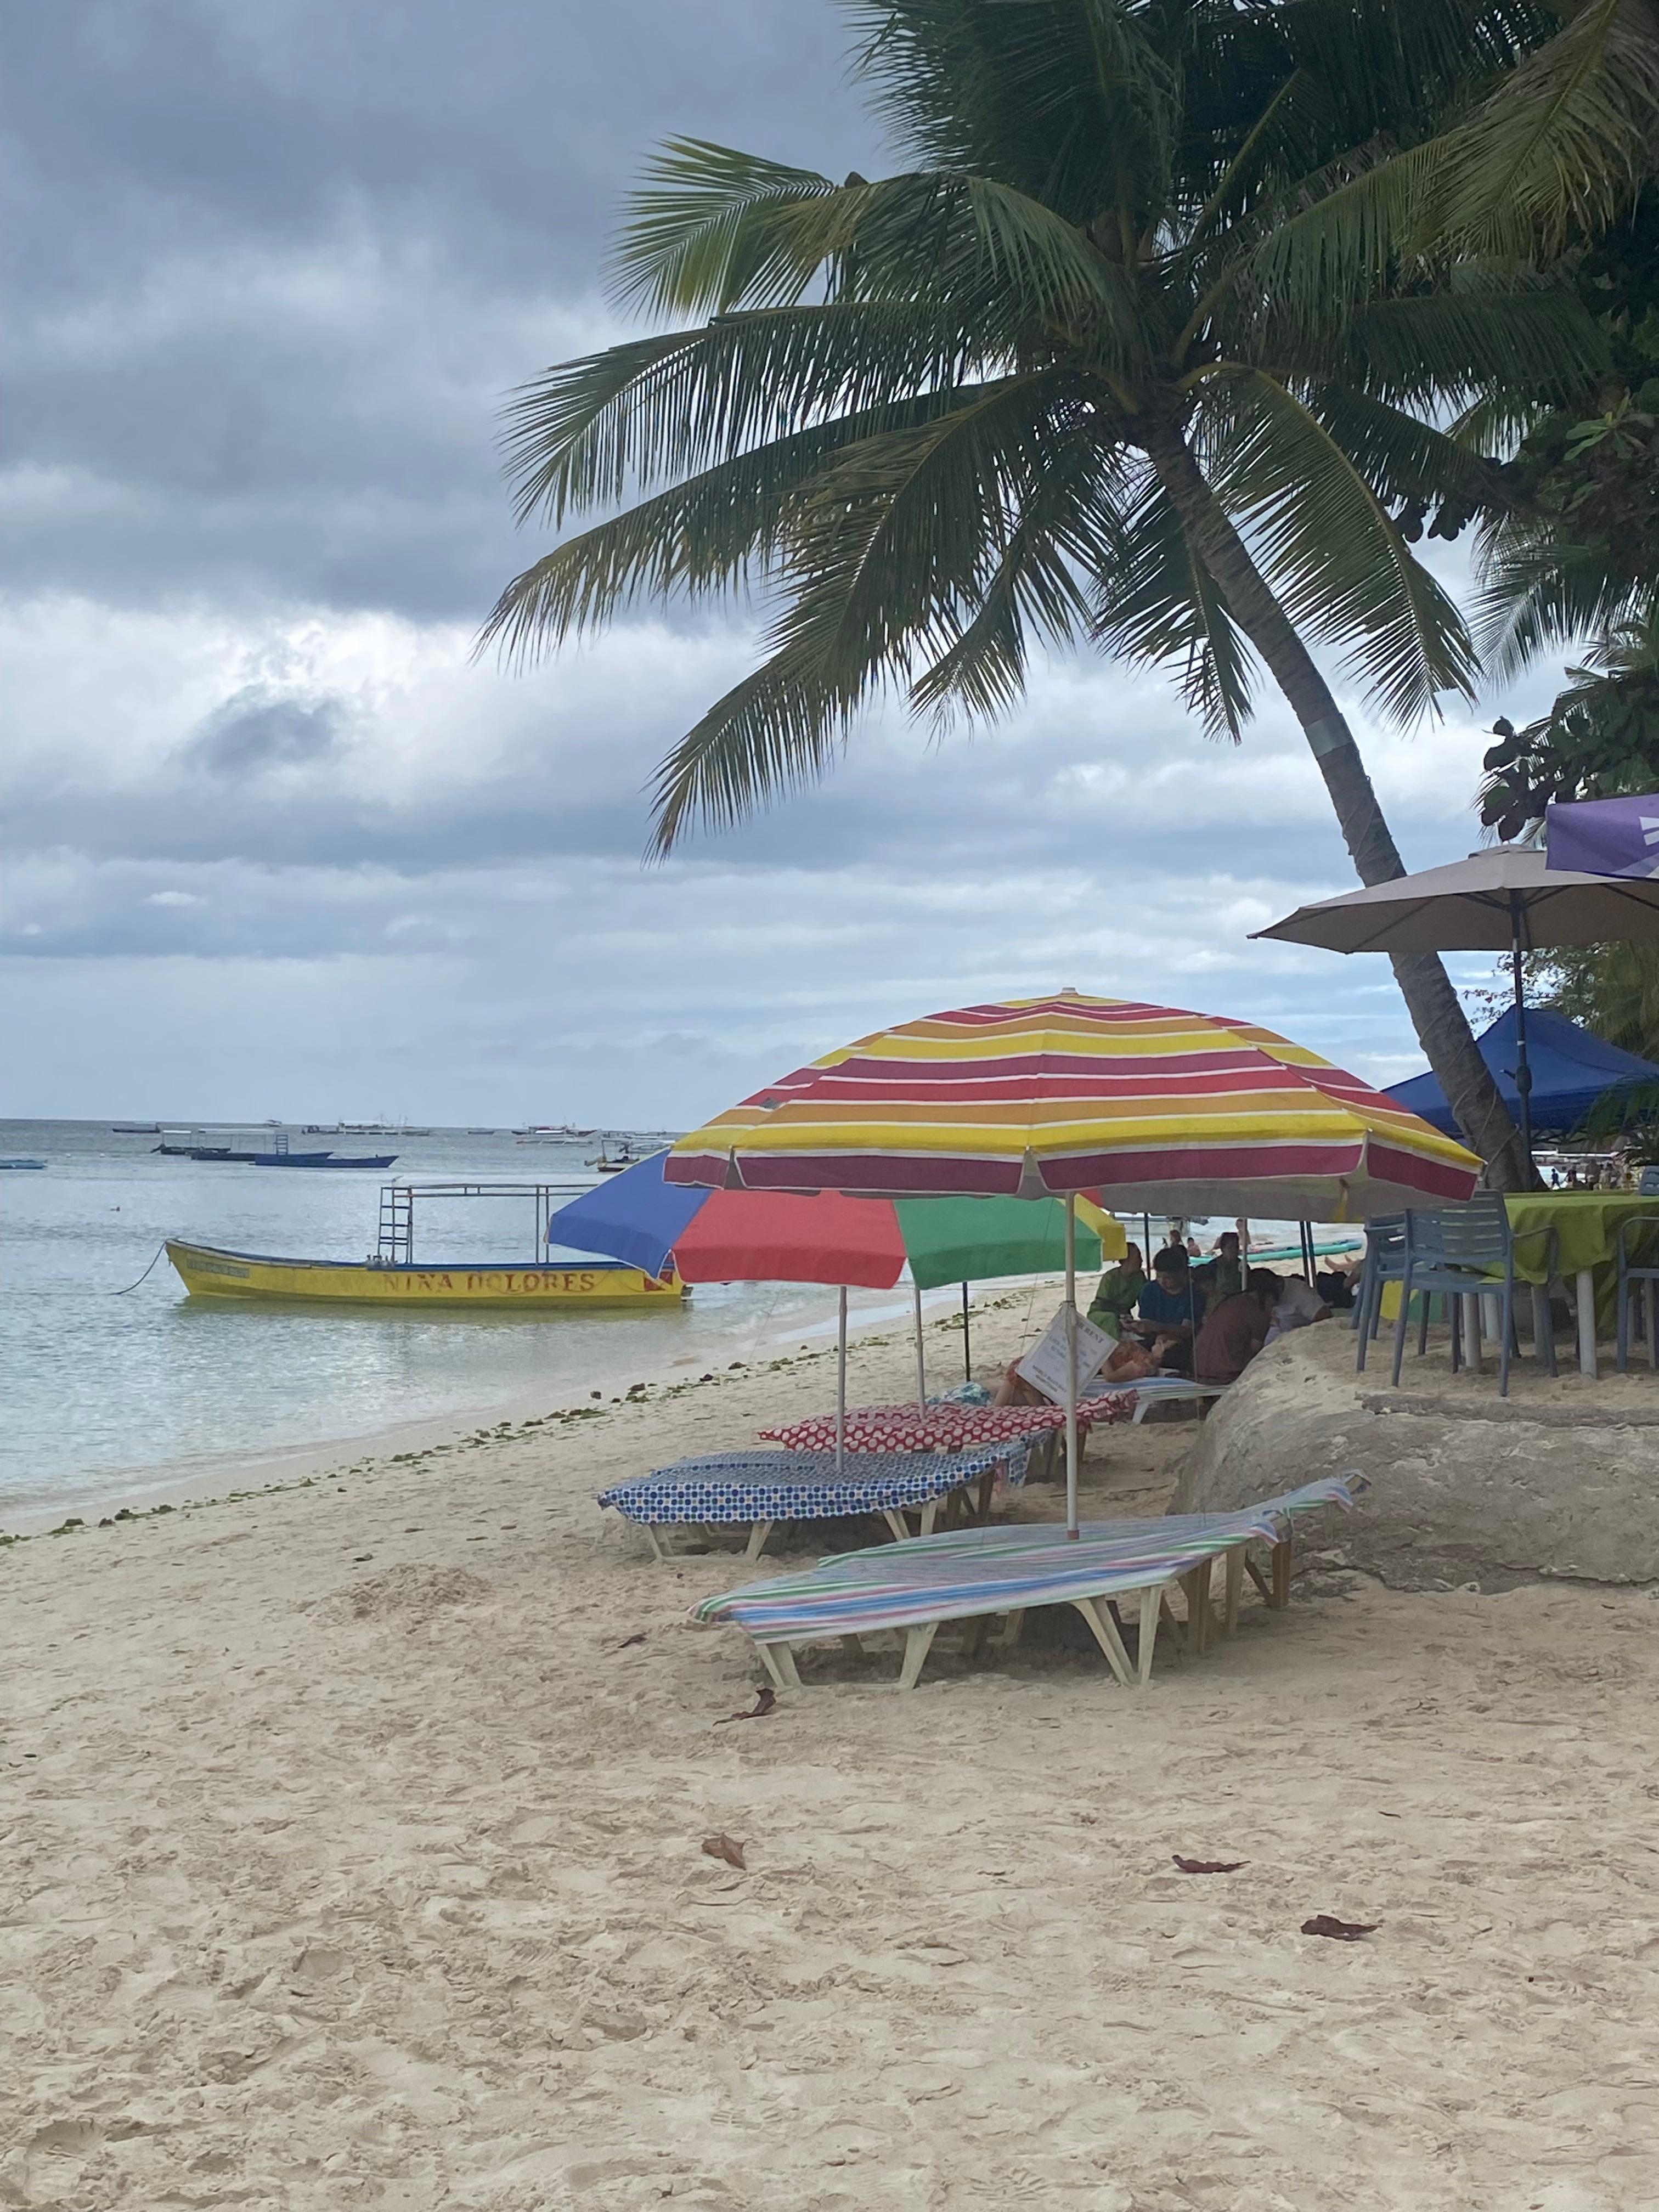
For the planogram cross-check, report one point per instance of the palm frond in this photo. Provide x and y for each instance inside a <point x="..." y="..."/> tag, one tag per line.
<point x="778" y="730"/>
<point x="1341" y="569"/>
<point x="889" y="554"/>
<point x="655" y="409"/>
<point x="1541" y="592"/>
<point x="714" y="531"/>
<point x="1068" y="530"/>
<point x="1160" y="605"/>
<point x="1402" y="457"/>
<point x="703" y="232"/>
<point x="1561" y="146"/>
<point x="1478" y="334"/>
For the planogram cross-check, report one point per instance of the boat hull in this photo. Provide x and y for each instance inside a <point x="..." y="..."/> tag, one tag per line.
<point x="207" y="1272"/>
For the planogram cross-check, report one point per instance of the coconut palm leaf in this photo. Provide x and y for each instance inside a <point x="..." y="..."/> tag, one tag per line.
<point x="1338" y="563"/>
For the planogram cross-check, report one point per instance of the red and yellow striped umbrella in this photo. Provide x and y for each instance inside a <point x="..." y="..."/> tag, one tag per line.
<point x="1152" y="1107"/>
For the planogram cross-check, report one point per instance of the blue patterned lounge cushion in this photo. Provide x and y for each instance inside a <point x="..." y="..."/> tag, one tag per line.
<point x="745" y="1486"/>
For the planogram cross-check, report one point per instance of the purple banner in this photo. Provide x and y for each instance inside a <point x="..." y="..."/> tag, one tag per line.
<point x="1604" y="836"/>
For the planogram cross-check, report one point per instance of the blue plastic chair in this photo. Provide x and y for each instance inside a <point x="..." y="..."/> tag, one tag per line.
<point x="1385" y="1262"/>
<point x="1464" y="1249"/>
<point x="1648" y="1276"/>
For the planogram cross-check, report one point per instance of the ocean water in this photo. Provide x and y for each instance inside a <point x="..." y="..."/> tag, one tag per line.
<point x="112" y="1386"/>
<point x="104" y="1395"/>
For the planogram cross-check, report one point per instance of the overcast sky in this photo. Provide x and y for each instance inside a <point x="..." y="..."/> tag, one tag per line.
<point x="272" y="844"/>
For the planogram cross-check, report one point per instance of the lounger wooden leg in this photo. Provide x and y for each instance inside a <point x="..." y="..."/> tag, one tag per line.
<point x="1196" y="1585"/>
<point x="757" y="1536"/>
<point x="1176" y="1628"/>
<point x="1261" y="1581"/>
<point x="982" y="1509"/>
<point x="929" y="1517"/>
<point x="973" y="1643"/>
<point x="778" y="1662"/>
<point x="1152" y="1601"/>
<point x="1013" y="1625"/>
<point x="917" y="1644"/>
<point x="895" y="1522"/>
<point x="1235" y="1588"/>
<point x="1280" y="1562"/>
<point x="1105" y="1634"/>
<point x="652" y="1538"/>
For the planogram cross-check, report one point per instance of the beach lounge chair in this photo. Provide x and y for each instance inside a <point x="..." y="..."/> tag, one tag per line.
<point x="980" y="1574"/>
<point x="1168" y="1390"/>
<point x="762" y="1488"/>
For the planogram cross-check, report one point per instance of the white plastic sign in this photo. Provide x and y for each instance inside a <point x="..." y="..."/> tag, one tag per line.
<point x="1044" y="1364"/>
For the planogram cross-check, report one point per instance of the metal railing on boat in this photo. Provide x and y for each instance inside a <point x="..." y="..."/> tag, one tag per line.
<point x="395" y="1245"/>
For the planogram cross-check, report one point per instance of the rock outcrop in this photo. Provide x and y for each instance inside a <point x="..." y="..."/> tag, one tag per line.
<point x="1561" y="1479"/>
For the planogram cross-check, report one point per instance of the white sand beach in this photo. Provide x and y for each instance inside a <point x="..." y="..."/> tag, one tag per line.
<point x="353" y="1859"/>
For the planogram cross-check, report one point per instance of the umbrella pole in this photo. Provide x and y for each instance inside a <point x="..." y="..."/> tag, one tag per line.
<point x="921" y="1361"/>
<point x="1071" y="1368"/>
<point x="1523" y="1067"/>
<point x="841" y="1382"/>
<point x="967" y="1352"/>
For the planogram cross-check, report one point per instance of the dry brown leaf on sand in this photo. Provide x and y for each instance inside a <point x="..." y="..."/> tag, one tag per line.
<point x="728" y="1848"/>
<point x="627" y="1640"/>
<point x="1208" y="1866"/>
<point x="764" y="1700"/>
<point x="1339" y="1931"/>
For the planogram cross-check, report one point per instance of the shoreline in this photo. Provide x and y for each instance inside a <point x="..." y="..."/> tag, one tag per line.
<point x="238" y="1473"/>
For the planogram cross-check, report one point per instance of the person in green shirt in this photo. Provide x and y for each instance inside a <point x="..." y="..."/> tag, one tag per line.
<point x="1118" y="1290"/>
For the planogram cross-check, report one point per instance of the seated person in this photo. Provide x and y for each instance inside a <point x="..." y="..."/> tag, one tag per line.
<point x="1228" y="1265"/>
<point x="1298" y="1305"/>
<point x="1172" y="1307"/>
<point x="1236" y="1330"/>
<point x="1117" y="1290"/>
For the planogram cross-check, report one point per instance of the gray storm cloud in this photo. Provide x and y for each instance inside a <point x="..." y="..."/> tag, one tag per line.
<point x="269" y="270"/>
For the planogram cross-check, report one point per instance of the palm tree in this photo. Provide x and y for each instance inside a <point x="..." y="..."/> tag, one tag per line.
<point x="1135" y="355"/>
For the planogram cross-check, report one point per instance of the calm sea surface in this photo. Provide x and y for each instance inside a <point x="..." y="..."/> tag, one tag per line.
<point x="104" y="1395"/>
<point x="101" y="1395"/>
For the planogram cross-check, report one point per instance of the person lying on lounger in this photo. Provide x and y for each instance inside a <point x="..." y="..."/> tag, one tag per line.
<point x="1127" y="1364"/>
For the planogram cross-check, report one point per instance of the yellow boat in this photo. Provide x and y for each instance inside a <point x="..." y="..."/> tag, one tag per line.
<point x="207" y="1272"/>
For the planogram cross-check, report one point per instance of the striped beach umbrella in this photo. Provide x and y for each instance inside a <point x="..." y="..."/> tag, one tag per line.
<point x="1157" y="1108"/>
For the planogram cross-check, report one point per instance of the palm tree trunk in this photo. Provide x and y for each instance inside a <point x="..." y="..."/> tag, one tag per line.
<point x="1442" y="1026"/>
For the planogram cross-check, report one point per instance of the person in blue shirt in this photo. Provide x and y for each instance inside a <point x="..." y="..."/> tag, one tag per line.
<point x="1171" y="1306"/>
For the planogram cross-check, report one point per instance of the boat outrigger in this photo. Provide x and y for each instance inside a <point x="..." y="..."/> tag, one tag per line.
<point x="390" y="1276"/>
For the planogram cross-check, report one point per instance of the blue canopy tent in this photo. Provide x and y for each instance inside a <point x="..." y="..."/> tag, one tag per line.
<point x="1571" y="1072"/>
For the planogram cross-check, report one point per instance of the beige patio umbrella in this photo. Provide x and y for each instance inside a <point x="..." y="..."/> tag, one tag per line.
<point x="1506" y="899"/>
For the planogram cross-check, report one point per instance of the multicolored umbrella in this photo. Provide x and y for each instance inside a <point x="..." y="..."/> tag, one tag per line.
<point x="794" y="1236"/>
<point x="1155" y="1109"/>
<point x="775" y="1237"/>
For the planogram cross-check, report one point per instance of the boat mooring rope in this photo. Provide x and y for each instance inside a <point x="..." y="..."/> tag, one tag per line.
<point x="160" y="1250"/>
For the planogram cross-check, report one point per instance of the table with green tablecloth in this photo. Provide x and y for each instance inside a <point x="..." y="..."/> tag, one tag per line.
<point x="1586" y="1224"/>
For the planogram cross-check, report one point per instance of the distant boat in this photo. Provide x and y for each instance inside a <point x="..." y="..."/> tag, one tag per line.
<point x="614" y="1163"/>
<point x="21" y="1164"/>
<point x="135" y="1128"/>
<point x="206" y="1271"/>
<point x="484" y="1132"/>
<point x="322" y="1160"/>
